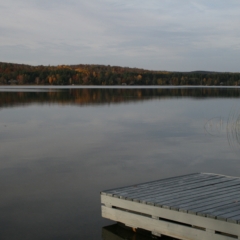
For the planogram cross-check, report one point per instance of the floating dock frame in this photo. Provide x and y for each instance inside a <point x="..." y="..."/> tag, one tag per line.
<point x="119" y="232"/>
<point x="199" y="206"/>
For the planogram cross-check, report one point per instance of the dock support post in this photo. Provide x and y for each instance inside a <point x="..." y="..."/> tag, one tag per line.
<point x="108" y="205"/>
<point x="157" y="234"/>
<point x="210" y="231"/>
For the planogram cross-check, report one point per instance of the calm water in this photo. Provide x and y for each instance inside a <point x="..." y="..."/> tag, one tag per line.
<point x="60" y="147"/>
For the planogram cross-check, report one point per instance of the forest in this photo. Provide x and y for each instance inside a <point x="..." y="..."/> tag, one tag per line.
<point x="83" y="74"/>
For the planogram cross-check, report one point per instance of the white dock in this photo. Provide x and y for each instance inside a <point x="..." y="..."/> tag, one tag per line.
<point x="200" y="206"/>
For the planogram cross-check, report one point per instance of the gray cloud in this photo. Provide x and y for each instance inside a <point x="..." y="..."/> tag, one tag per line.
<point x="163" y="35"/>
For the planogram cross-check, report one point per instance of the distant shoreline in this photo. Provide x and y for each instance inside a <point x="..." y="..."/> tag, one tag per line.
<point x="106" y="75"/>
<point x="34" y="86"/>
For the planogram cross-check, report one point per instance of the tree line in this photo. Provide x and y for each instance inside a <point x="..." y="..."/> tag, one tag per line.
<point x="82" y="74"/>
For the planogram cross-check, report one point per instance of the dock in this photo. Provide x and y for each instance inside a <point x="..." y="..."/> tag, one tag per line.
<point x="199" y="206"/>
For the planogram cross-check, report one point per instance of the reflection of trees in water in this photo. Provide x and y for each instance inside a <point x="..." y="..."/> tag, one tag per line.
<point x="89" y="96"/>
<point x="216" y="127"/>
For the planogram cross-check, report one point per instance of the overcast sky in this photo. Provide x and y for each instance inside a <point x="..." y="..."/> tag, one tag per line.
<point x="174" y="35"/>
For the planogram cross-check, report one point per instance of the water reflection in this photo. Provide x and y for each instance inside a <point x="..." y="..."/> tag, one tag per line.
<point x="118" y="232"/>
<point x="90" y="96"/>
<point x="60" y="147"/>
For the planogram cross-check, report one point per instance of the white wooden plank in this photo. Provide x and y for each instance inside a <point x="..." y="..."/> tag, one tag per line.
<point x="186" y="218"/>
<point x="159" y="226"/>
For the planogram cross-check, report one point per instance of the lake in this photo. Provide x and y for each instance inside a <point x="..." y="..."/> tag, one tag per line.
<point x="60" y="146"/>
